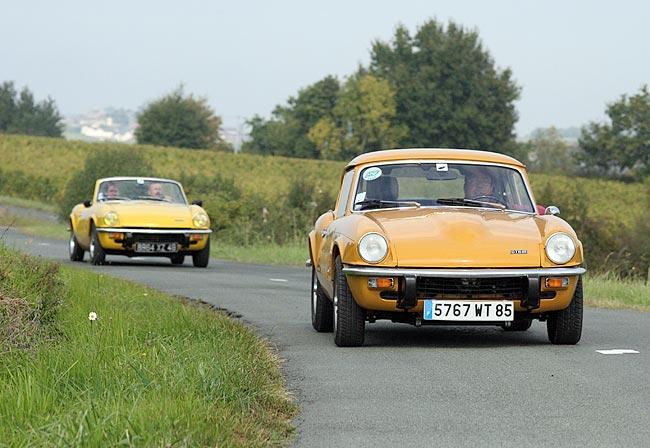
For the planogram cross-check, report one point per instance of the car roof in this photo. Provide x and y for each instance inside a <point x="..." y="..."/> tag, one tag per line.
<point x="432" y="153"/>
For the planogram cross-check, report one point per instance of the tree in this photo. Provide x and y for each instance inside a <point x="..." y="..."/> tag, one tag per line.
<point x="361" y="120"/>
<point x="620" y="148"/>
<point x="448" y="92"/>
<point x="21" y="114"/>
<point x="286" y="133"/>
<point x="180" y="121"/>
<point x="548" y="153"/>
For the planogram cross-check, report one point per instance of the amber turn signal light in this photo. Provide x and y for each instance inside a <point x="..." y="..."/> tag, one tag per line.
<point x="381" y="282"/>
<point x="557" y="282"/>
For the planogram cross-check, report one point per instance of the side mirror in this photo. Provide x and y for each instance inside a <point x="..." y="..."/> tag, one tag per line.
<point x="552" y="210"/>
<point x="198" y="202"/>
<point x="88" y="203"/>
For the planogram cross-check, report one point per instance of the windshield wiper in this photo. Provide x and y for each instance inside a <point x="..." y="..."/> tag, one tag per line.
<point x="115" y="198"/>
<point x="470" y="203"/>
<point x="378" y="203"/>
<point x="151" y="198"/>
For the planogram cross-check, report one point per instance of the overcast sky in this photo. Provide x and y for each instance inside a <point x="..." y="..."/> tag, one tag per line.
<point x="570" y="57"/>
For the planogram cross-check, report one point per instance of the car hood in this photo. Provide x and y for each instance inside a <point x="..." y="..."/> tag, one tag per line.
<point x="153" y="214"/>
<point x="462" y="238"/>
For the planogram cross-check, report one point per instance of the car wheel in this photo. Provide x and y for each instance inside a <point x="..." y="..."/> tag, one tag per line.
<point x="202" y="257"/>
<point x="518" y="325"/>
<point x="76" y="252"/>
<point x="565" y="326"/>
<point x="97" y="254"/>
<point x="178" y="259"/>
<point x="322" y="310"/>
<point x="349" y="318"/>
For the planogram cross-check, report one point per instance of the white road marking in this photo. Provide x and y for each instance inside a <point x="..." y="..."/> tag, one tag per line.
<point x="617" y="351"/>
<point x="278" y="280"/>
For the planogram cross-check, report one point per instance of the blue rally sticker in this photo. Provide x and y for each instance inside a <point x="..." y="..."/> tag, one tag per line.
<point x="372" y="173"/>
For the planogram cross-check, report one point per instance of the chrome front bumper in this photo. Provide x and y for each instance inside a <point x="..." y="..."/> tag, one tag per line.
<point x="408" y="295"/>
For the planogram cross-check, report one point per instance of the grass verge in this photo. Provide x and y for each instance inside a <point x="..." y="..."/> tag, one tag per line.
<point x="602" y="291"/>
<point x="152" y="370"/>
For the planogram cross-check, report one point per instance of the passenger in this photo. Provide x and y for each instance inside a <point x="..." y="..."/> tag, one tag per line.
<point x="112" y="190"/>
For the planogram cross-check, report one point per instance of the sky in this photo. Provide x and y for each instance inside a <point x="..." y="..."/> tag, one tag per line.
<point x="569" y="57"/>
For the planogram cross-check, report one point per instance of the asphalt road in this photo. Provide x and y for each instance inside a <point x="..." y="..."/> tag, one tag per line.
<point x="432" y="386"/>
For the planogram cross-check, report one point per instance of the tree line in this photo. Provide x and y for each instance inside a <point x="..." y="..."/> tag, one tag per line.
<point x="437" y="87"/>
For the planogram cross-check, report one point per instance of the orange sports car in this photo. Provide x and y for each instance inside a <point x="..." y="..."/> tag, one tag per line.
<point x="443" y="237"/>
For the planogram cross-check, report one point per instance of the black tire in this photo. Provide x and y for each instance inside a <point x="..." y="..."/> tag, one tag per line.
<point x="565" y="326"/>
<point x="97" y="253"/>
<point x="518" y="325"/>
<point x="349" y="318"/>
<point x="76" y="252"/>
<point x="178" y="259"/>
<point x="322" y="309"/>
<point x="201" y="258"/>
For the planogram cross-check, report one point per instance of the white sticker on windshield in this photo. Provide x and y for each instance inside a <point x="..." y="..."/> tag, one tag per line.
<point x="360" y="197"/>
<point x="372" y="173"/>
<point x="442" y="167"/>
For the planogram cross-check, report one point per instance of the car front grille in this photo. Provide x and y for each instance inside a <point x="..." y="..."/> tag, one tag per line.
<point x="158" y="238"/>
<point x="472" y="288"/>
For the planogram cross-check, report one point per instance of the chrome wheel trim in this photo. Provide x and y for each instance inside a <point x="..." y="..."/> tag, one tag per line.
<point x="72" y="246"/>
<point x="91" y="249"/>
<point x="336" y="309"/>
<point x="314" y="296"/>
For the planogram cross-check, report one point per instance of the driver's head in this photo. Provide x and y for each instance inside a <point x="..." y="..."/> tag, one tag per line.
<point x="155" y="189"/>
<point x="478" y="182"/>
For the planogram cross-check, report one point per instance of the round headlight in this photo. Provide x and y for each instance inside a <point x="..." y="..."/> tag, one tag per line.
<point x="110" y="218"/>
<point x="373" y="247"/>
<point x="560" y="248"/>
<point x="200" y="220"/>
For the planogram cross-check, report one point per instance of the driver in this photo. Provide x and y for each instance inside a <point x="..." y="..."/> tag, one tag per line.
<point x="478" y="183"/>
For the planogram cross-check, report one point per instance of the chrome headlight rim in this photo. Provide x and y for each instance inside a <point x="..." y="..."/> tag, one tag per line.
<point x="200" y="220"/>
<point x="111" y="218"/>
<point x="373" y="247"/>
<point x="560" y="248"/>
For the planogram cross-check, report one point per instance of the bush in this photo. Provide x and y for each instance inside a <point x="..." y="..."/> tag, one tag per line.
<point x="611" y="245"/>
<point x="281" y="220"/>
<point x="248" y="219"/>
<point x="105" y="163"/>
<point x="26" y="186"/>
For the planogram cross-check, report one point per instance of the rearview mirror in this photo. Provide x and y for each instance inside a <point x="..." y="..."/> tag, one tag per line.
<point x="441" y="175"/>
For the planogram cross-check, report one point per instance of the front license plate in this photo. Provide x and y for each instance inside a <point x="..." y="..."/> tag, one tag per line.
<point x="156" y="247"/>
<point x="485" y="311"/>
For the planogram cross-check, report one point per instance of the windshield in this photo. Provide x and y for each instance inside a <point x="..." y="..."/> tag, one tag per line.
<point x="140" y="189"/>
<point x="435" y="184"/>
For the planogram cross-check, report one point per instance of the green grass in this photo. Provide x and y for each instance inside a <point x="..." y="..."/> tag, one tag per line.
<point x="288" y="255"/>
<point x="152" y="370"/>
<point x="615" y="293"/>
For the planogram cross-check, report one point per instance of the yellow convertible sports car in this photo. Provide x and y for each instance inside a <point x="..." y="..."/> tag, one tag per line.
<point x="443" y="237"/>
<point x="139" y="216"/>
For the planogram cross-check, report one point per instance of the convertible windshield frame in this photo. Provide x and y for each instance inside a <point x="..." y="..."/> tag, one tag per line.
<point x="513" y="191"/>
<point x="136" y="189"/>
